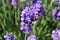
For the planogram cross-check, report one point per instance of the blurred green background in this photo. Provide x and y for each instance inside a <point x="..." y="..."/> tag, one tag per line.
<point x="10" y="20"/>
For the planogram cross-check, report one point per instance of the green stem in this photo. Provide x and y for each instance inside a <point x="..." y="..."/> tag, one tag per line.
<point x="18" y="14"/>
<point x="4" y="9"/>
<point x="58" y="24"/>
<point x="45" y="3"/>
<point x="34" y="31"/>
<point x="15" y="16"/>
<point x="50" y="4"/>
<point x="5" y="12"/>
<point x="25" y="36"/>
<point x="9" y="11"/>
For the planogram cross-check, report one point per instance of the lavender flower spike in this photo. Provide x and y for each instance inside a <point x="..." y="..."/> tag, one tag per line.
<point x="37" y="11"/>
<point x="26" y="21"/>
<point x="32" y="37"/>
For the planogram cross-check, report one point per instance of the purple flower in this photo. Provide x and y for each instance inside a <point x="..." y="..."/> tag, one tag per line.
<point x="56" y="14"/>
<point x="39" y="8"/>
<point x="27" y="29"/>
<point x="25" y="16"/>
<point x="26" y="21"/>
<point x="54" y="35"/>
<point x="58" y="31"/>
<point x="39" y="4"/>
<point x="14" y="37"/>
<point x="32" y="37"/>
<point x="14" y="3"/>
<point x="30" y="15"/>
<point x="7" y="37"/>
<point x="37" y="11"/>
<point x="10" y="36"/>
<point x="59" y="3"/>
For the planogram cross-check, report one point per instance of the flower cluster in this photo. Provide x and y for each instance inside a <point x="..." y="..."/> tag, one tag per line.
<point x="26" y="20"/>
<point x="32" y="37"/>
<point x="30" y="15"/>
<point x="38" y="11"/>
<point x="56" y="34"/>
<point x="56" y="14"/>
<point x="10" y="36"/>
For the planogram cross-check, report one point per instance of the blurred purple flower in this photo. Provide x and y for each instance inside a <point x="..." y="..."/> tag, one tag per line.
<point x="54" y="35"/>
<point x="59" y="3"/>
<point x="58" y="31"/>
<point x="10" y="36"/>
<point x="56" y="14"/>
<point x="14" y="3"/>
<point x="32" y="37"/>
<point x="14" y="37"/>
